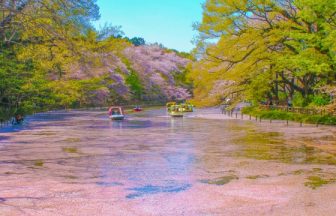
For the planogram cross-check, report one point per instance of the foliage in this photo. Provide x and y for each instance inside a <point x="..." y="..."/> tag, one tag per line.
<point x="321" y="100"/>
<point x="137" y="41"/>
<point x="108" y="31"/>
<point x="283" y="115"/>
<point x="52" y="57"/>
<point x="267" y="50"/>
<point x="157" y="69"/>
<point x="134" y="82"/>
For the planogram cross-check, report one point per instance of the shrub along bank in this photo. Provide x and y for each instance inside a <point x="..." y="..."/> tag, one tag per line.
<point x="326" y="119"/>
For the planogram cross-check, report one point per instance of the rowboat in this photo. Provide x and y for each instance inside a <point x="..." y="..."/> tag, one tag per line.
<point x="175" y="111"/>
<point x="116" y="113"/>
<point x="176" y="114"/>
<point x="137" y="109"/>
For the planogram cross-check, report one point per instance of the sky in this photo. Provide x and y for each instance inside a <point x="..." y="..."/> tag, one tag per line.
<point x="168" y="22"/>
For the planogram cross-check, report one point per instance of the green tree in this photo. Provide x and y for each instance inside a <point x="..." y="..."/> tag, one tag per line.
<point x="136" y="87"/>
<point x="266" y="48"/>
<point x="137" y="41"/>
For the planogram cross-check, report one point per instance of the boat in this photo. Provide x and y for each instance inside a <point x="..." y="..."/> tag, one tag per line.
<point x="116" y="113"/>
<point x="187" y="107"/>
<point x="137" y="109"/>
<point x="176" y="111"/>
<point x="169" y="105"/>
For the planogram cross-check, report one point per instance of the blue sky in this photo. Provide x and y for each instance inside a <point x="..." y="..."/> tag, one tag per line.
<point x="164" y="21"/>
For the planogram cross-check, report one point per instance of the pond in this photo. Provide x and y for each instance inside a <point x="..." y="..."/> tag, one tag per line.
<point x="82" y="163"/>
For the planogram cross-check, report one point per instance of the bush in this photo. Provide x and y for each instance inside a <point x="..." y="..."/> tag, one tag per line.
<point x="320" y="100"/>
<point x="283" y="115"/>
<point x="299" y="100"/>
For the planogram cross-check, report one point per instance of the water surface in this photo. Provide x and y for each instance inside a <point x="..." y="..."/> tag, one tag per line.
<point x="197" y="166"/>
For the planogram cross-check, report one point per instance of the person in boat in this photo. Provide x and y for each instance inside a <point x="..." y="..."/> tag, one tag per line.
<point x="18" y="119"/>
<point x="137" y="108"/>
<point x="115" y="112"/>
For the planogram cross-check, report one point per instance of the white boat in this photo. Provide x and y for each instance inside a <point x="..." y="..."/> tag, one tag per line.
<point x="116" y="113"/>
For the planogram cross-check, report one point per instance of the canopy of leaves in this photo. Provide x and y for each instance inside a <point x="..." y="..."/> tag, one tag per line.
<point x="265" y="50"/>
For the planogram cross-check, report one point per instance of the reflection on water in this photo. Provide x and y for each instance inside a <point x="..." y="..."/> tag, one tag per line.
<point x="136" y="124"/>
<point x="221" y="180"/>
<point x="109" y="184"/>
<point x="151" y="189"/>
<point x="146" y="154"/>
<point x="272" y="146"/>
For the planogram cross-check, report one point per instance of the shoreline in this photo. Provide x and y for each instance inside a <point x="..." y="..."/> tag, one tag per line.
<point x="238" y="116"/>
